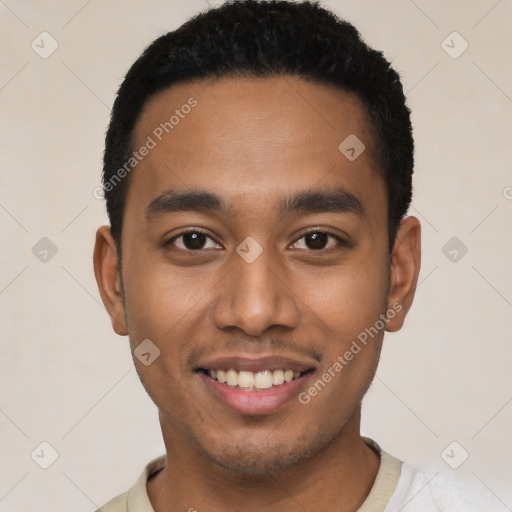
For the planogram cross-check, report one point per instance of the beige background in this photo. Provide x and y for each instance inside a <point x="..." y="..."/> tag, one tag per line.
<point x="67" y="379"/>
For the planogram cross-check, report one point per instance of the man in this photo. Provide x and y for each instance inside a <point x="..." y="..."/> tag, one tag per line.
<point x="257" y="174"/>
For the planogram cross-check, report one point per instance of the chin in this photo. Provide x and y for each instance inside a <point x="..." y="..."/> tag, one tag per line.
<point x="266" y="458"/>
<point x="252" y="462"/>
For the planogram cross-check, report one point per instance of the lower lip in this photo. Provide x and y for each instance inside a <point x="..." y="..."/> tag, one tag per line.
<point x="254" y="402"/>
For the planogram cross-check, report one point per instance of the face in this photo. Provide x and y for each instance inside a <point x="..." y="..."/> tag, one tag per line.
<point x="252" y="243"/>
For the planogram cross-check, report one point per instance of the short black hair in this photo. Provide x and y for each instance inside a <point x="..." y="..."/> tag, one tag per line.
<point x="250" y="38"/>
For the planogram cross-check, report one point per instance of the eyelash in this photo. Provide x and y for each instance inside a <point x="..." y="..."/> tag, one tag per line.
<point x="341" y="241"/>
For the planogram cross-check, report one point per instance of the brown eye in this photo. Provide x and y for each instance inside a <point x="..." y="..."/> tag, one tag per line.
<point x="191" y="241"/>
<point x="318" y="241"/>
<point x="194" y="241"/>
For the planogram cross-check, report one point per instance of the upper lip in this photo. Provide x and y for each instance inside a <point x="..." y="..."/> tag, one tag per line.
<point x="253" y="364"/>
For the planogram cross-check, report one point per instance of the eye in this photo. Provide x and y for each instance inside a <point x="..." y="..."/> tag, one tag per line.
<point x="318" y="241"/>
<point x="192" y="240"/>
<point x="196" y="240"/>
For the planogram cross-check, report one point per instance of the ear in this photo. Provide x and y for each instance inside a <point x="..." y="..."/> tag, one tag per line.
<point x="107" y="272"/>
<point x="405" y="268"/>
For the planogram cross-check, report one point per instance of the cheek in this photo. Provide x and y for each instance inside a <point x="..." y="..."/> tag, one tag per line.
<point x="169" y="307"/>
<point x="353" y="307"/>
<point x="350" y="298"/>
<point x="160" y="298"/>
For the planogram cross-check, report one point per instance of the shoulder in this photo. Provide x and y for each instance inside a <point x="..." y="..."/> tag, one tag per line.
<point x="117" y="504"/>
<point x="420" y="491"/>
<point x="136" y="499"/>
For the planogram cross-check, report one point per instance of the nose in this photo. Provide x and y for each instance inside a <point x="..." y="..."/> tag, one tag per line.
<point x="256" y="295"/>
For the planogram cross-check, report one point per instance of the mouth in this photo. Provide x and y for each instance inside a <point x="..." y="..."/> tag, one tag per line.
<point x="255" y="387"/>
<point x="244" y="380"/>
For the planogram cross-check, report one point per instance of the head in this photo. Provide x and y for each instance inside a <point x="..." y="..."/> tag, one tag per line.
<point x="265" y="217"/>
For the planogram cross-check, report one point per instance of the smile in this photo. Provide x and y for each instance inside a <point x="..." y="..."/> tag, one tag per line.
<point x="260" y="392"/>
<point x="253" y="381"/>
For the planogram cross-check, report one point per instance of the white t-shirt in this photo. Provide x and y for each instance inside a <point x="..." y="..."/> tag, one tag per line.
<point x="398" y="487"/>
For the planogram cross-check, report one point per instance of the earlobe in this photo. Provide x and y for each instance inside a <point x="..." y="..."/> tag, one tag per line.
<point x="404" y="271"/>
<point x="108" y="278"/>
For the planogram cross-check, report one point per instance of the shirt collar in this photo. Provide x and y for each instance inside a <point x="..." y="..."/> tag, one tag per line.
<point x="376" y="501"/>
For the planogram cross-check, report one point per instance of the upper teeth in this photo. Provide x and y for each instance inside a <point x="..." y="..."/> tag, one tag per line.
<point x="249" y="380"/>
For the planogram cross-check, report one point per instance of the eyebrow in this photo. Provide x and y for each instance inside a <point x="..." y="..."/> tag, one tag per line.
<point x="338" y="200"/>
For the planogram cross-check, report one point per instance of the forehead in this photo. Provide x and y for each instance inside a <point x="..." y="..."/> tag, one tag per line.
<point x="253" y="140"/>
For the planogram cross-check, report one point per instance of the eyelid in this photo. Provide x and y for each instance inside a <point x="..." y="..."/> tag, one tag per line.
<point x="341" y="235"/>
<point x="320" y="229"/>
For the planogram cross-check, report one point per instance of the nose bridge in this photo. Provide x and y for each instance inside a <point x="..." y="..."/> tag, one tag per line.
<point x="257" y="282"/>
<point x="254" y="296"/>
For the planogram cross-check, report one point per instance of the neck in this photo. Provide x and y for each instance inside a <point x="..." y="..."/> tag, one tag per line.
<point x="339" y="477"/>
